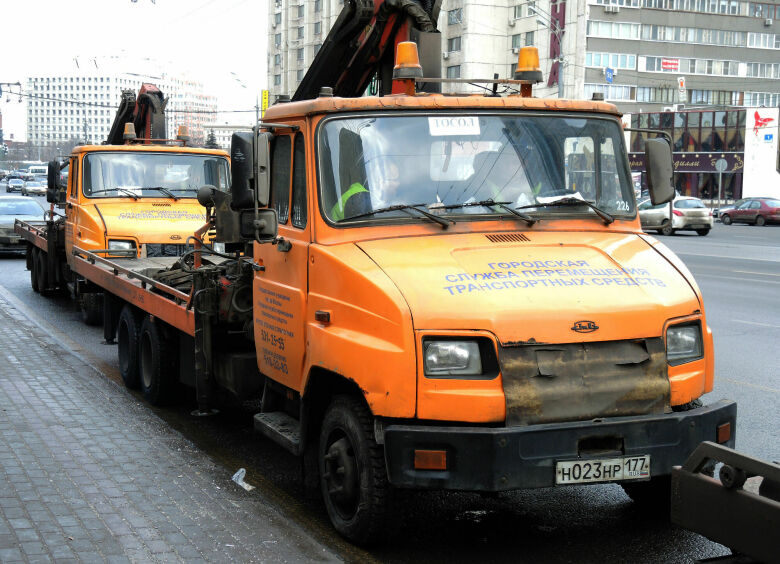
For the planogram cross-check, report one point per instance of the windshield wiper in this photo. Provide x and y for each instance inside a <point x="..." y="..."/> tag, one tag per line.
<point x="489" y="203"/>
<point x="444" y="222"/>
<point x="125" y="191"/>
<point x="161" y="189"/>
<point x="572" y="202"/>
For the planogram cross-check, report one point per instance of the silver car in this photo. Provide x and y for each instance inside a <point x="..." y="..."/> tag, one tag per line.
<point x="34" y="188"/>
<point x="12" y="208"/>
<point x="686" y="214"/>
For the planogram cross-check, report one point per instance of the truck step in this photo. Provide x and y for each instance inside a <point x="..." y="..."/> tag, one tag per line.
<point x="280" y="428"/>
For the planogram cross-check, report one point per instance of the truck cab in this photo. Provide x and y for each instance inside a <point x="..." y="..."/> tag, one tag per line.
<point x="139" y="199"/>
<point x="461" y="297"/>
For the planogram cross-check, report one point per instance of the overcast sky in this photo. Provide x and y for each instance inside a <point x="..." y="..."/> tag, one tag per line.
<point x="209" y="38"/>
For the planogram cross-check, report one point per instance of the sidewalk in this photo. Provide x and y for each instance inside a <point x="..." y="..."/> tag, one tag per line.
<point x="89" y="475"/>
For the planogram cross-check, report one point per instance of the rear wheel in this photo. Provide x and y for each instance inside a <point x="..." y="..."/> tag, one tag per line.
<point x="666" y="229"/>
<point x="353" y="479"/>
<point x="156" y="362"/>
<point x="725" y="219"/>
<point x="760" y="220"/>
<point x="42" y="272"/>
<point x="127" y="332"/>
<point x="92" y="308"/>
<point x="33" y="266"/>
<point x="702" y="232"/>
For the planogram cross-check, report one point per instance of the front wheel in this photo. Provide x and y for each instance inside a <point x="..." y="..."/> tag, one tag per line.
<point x="725" y="219"/>
<point x="666" y="229"/>
<point x="33" y="265"/>
<point x="702" y="232"/>
<point x="353" y="479"/>
<point x="760" y="220"/>
<point x="92" y="308"/>
<point x="156" y="362"/>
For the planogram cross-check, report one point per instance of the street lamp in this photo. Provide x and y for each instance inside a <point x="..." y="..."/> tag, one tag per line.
<point x="555" y="27"/>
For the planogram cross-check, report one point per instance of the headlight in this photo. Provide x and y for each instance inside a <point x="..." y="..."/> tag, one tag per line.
<point x="451" y="358"/>
<point x="114" y="244"/>
<point x="683" y="343"/>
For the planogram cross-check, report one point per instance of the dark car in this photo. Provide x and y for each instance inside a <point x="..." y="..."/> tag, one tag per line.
<point x="757" y="211"/>
<point x="12" y="208"/>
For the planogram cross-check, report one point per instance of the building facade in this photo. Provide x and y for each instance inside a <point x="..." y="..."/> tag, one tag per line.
<point x="643" y="55"/>
<point x="224" y="133"/>
<point x="79" y="106"/>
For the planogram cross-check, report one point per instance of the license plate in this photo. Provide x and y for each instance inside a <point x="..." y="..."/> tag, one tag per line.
<point x="602" y="470"/>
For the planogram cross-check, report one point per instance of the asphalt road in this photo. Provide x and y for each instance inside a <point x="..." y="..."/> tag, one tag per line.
<point x="738" y="269"/>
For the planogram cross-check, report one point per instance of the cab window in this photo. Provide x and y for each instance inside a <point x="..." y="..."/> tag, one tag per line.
<point x="280" y="177"/>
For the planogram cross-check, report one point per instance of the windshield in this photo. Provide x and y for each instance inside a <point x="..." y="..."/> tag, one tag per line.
<point x="116" y="174"/>
<point x="20" y="207"/>
<point x="373" y="163"/>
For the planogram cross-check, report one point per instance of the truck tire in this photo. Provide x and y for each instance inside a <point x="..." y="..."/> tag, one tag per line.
<point x="92" y="308"/>
<point x="353" y="479"/>
<point x="34" y="268"/>
<point x="156" y="362"/>
<point x="42" y="272"/>
<point x="127" y="332"/>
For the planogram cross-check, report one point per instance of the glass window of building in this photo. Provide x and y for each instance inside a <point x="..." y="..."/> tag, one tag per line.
<point x="453" y="71"/>
<point x="453" y="44"/>
<point x="455" y="16"/>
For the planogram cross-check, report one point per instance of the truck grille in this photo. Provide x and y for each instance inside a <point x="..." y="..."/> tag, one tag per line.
<point x="581" y="381"/>
<point x="166" y="249"/>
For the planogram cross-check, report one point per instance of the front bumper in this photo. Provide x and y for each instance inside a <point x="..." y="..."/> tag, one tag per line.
<point x="508" y="458"/>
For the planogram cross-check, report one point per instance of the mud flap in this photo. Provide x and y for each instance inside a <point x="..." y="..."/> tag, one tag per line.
<point x="581" y="381"/>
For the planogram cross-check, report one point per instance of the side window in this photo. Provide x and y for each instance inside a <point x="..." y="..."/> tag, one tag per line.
<point x="73" y="176"/>
<point x="280" y="177"/>
<point x="755" y="205"/>
<point x="299" y="183"/>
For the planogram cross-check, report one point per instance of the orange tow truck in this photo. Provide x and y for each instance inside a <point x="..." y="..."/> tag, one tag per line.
<point x="430" y="291"/>
<point x="135" y="195"/>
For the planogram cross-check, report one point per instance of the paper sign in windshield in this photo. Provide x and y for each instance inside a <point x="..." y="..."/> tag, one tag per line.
<point x="453" y="125"/>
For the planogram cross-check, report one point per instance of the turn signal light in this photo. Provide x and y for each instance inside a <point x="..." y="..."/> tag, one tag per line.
<point x="430" y="459"/>
<point x="129" y="132"/>
<point x="724" y="433"/>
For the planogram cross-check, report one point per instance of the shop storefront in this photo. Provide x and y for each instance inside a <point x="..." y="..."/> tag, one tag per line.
<point x="739" y="143"/>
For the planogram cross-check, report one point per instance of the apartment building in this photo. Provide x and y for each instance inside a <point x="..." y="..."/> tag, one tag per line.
<point x="80" y="105"/>
<point x="643" y="55"/>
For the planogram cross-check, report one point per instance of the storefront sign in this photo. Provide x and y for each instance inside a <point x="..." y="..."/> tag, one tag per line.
<point x="670" y="64"/>
<point x="694" y="162"/>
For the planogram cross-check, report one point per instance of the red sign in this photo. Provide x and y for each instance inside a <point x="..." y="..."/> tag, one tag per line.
<point x="760" y="122"/>
<point x="670" y="64"/>
<point x="557" y="24"/>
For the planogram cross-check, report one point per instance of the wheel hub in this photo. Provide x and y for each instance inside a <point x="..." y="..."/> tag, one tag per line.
<point x="341" y="476"/>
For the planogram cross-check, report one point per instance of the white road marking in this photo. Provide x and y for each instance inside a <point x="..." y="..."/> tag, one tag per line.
<point x="759" y="273"/>
<point x="756" y="323"/>
<point x="748" y="384"/>
<point x="704" y="275"/>
<point x="727" y="257"/>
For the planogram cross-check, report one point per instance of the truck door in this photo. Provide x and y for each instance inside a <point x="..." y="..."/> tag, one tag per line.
<point x="71" y="205"/>
<point x="281" y="290"/>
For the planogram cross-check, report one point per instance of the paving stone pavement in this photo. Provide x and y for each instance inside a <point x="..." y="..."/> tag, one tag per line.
<point x="89" y="475"/>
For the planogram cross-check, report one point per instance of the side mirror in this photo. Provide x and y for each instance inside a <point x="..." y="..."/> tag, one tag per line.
<point x="55" y="194"/>
<point x="660" y="170"/>
<point x="262" y="228"/>
<point x="249" y="158"/>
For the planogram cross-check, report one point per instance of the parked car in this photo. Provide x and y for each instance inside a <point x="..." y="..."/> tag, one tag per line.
<point x="12" y="208"/>
<point x="757" y="211"/>
<point x="687" y="214"/>
<point x="33" y="187"/>
<point x="15" y="185"/>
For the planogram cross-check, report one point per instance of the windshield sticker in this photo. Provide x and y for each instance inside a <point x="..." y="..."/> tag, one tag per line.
<point x="547" y="274"/>
<point x="161" y="214"/>
<point x="453" y="125"/>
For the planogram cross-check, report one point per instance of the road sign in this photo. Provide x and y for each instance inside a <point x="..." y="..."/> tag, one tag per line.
<point x="681" y="90"/>
<point x="609" y="74"/>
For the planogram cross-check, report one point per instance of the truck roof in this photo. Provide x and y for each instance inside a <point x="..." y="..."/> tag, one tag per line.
<point x="152" y="148"/>
<point x="432" y="101"/>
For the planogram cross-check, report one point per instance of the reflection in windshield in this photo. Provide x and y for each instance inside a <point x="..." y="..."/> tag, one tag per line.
<point x="372" y="163"/>
<point x="116" y="174"/>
